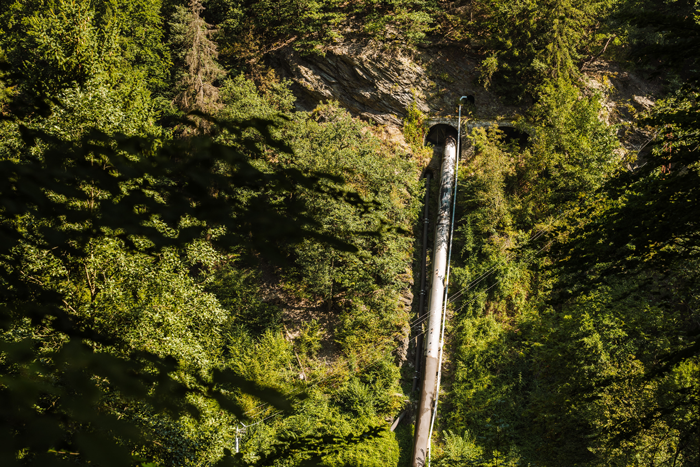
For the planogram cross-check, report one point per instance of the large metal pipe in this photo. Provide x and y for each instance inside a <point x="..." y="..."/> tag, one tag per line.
<point x="423" y="292"/>
<point x="442" y="232"/>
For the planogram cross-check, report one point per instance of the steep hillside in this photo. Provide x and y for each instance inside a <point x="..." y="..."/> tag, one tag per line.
<point x="210" y="215"/>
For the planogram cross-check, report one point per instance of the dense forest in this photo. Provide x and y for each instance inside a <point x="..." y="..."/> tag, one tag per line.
<point x="196" y="270"/>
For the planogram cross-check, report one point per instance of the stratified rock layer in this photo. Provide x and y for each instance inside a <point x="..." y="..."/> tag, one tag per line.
<point x="379" y="84"/>
<point x="368" y="82"/>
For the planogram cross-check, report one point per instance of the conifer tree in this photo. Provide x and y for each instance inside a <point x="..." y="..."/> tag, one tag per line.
<point x="197" y="53"/>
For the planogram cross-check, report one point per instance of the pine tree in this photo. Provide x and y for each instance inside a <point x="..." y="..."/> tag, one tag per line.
<point x="199" y="68"/>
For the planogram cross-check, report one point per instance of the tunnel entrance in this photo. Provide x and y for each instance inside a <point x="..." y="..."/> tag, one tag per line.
<point x="438" y="133"/>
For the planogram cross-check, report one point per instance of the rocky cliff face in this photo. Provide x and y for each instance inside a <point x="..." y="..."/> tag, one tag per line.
<point x="379" y="83"/>
<point x="361" y="78"/>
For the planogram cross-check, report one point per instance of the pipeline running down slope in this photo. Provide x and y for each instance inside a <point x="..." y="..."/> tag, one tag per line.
<point x="437" y="291"/>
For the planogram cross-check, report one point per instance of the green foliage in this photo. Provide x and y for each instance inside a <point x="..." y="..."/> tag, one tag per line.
<point x="141" y="39"/>
<point x="362" y="284"/>
<point x="5" y="90"/>
<point x="86" y="240"/>
<point x="119" y="235"/>
<point x="463" y="450"/>
<point x="197" y="71"/>
<point x="74" y="47"/>
<point x="369" y="392"/>
<point x="575" y="150"/>
<point x="250" y="31"/>
<point x="404" y="438"/>
<point x="413" y="126"/>
<point x="309" y="340"/>
<point x="238" y="292"/>
<point x="660" y="35"/>
<point x="69" y="43"/>
<point x="399" y="20"/>
<point x="414" y="131"/>
<point x="380" y="451"/>
<point x="533" y="41"/>
<point x="319" y="434"/>
<point x="512" y="195"/>
<point x="332" y="142"/>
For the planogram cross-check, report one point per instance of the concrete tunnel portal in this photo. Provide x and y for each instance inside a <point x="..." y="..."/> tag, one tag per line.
<point x="437" y="134"/>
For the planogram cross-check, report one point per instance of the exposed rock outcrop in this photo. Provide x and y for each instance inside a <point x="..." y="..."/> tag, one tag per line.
<point x="362" y="78"/>
<point x="624" y="95"/>
<point x="379" y="83"/>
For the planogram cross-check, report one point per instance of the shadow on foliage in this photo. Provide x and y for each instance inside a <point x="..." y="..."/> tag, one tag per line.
<point x="150" y="193"/>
